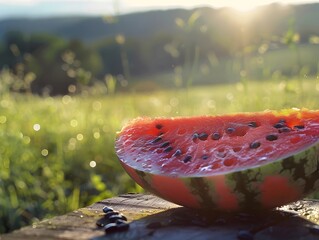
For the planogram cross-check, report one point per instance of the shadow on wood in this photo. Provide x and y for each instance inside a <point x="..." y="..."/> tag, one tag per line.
<point x="154" y="218"/>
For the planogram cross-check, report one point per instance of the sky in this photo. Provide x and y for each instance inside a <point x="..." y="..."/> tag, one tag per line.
<point x="43" y="8"/>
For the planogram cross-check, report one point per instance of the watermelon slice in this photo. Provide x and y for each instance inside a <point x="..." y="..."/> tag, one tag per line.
<point x="244" y="161"/>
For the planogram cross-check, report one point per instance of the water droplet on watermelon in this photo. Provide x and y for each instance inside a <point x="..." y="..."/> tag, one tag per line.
<point x="262" y="159"/>
<point x="206" y="168"/>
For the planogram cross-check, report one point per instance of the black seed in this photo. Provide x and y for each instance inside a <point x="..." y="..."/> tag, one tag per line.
<point x="156" y="140"/>
<point x="245" y="235"/>
<point x="119" y="221"/>
<point x="168" y="149"/>
<point x="252" y="124"/>
<point x="110" y="227"/>
<point x="203" y="136"/>
<point x="122" y="226"/>
<point x="204" y="157"/>
<point x="187" y="159"/>
<point x="102" y="222"/>
<point x="215" y="136"/>
<point x="271" y="137"/>
<point x="111" y="213"/>
<point x="282" y="121"/>
<point x="299" y="127"/>
<point x="195" y="136"/>
<point x="279" y="125"/>
<point x="177" y="153"/>
<point x="284" y="129"/>
<point x="159" y="126"/>
<point x="165" y="144"/>
<point x="254" y="145"/>
<point x="107" y="209"/>
<point x="117" y="217"/>
<point x="230" y="130"/>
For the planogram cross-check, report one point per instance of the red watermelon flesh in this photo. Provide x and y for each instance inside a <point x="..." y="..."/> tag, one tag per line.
<point x="212" y="148"/>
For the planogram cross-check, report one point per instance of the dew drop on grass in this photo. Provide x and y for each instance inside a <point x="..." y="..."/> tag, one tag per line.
<point x="3" y="119"/>
<point x="36" y="127"/>
<point x="44" y="152"/>
<point x="92" y="164"/>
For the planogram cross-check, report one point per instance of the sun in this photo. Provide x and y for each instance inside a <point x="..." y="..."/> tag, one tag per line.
<point x="240" y="6"/>
<point x="243" y="7"/>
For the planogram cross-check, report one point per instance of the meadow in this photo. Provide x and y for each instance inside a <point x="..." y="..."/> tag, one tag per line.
<point x="57" y="153"/>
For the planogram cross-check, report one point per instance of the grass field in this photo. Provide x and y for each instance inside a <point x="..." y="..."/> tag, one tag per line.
<point x="57" y="154"/>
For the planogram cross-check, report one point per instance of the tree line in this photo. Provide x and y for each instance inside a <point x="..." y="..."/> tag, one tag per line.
<point x="46" y="63"/>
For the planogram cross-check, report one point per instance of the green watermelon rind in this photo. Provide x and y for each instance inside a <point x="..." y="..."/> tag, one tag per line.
<point x="300" y="170"/>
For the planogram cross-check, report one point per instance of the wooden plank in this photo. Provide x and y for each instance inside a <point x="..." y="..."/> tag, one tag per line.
<point x="154" y="218"/>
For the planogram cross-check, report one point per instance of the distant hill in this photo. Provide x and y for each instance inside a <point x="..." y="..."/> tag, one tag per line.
<point x="267" y="20"/>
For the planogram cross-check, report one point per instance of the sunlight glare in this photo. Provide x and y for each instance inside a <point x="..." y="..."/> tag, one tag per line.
<point x="243" y="6"/>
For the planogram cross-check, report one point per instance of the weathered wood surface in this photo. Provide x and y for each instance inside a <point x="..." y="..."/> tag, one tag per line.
<point x="153" y="218"/>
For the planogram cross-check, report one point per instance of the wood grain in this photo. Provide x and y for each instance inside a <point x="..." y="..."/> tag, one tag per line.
<point x="153" y="218"/>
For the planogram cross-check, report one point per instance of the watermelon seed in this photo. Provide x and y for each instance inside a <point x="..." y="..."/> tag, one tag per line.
<point x="195" y="136"/>
<point x="165" y="144"/>
<point x="177" y="153"/>
<point x="156" y="140"/>
<point x="168" y="149"/>
<point x="159" y="126"/>
<point x="252" y="124"/>
<point x="284" y="129"/>
<point x="299" y="127"/>
<point x="254" y="145"/>
<point x="279" y="125"/>
<point x="230" y="130"/>
<point x="111" y="213"/>
<point x="215" y="136"/>
<point x="203" y="136"/>
<point x="107" y="209"/>
<point x="187" y="159"/>
<point x="271" y="137"/>
<point x="204" y="157"/>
